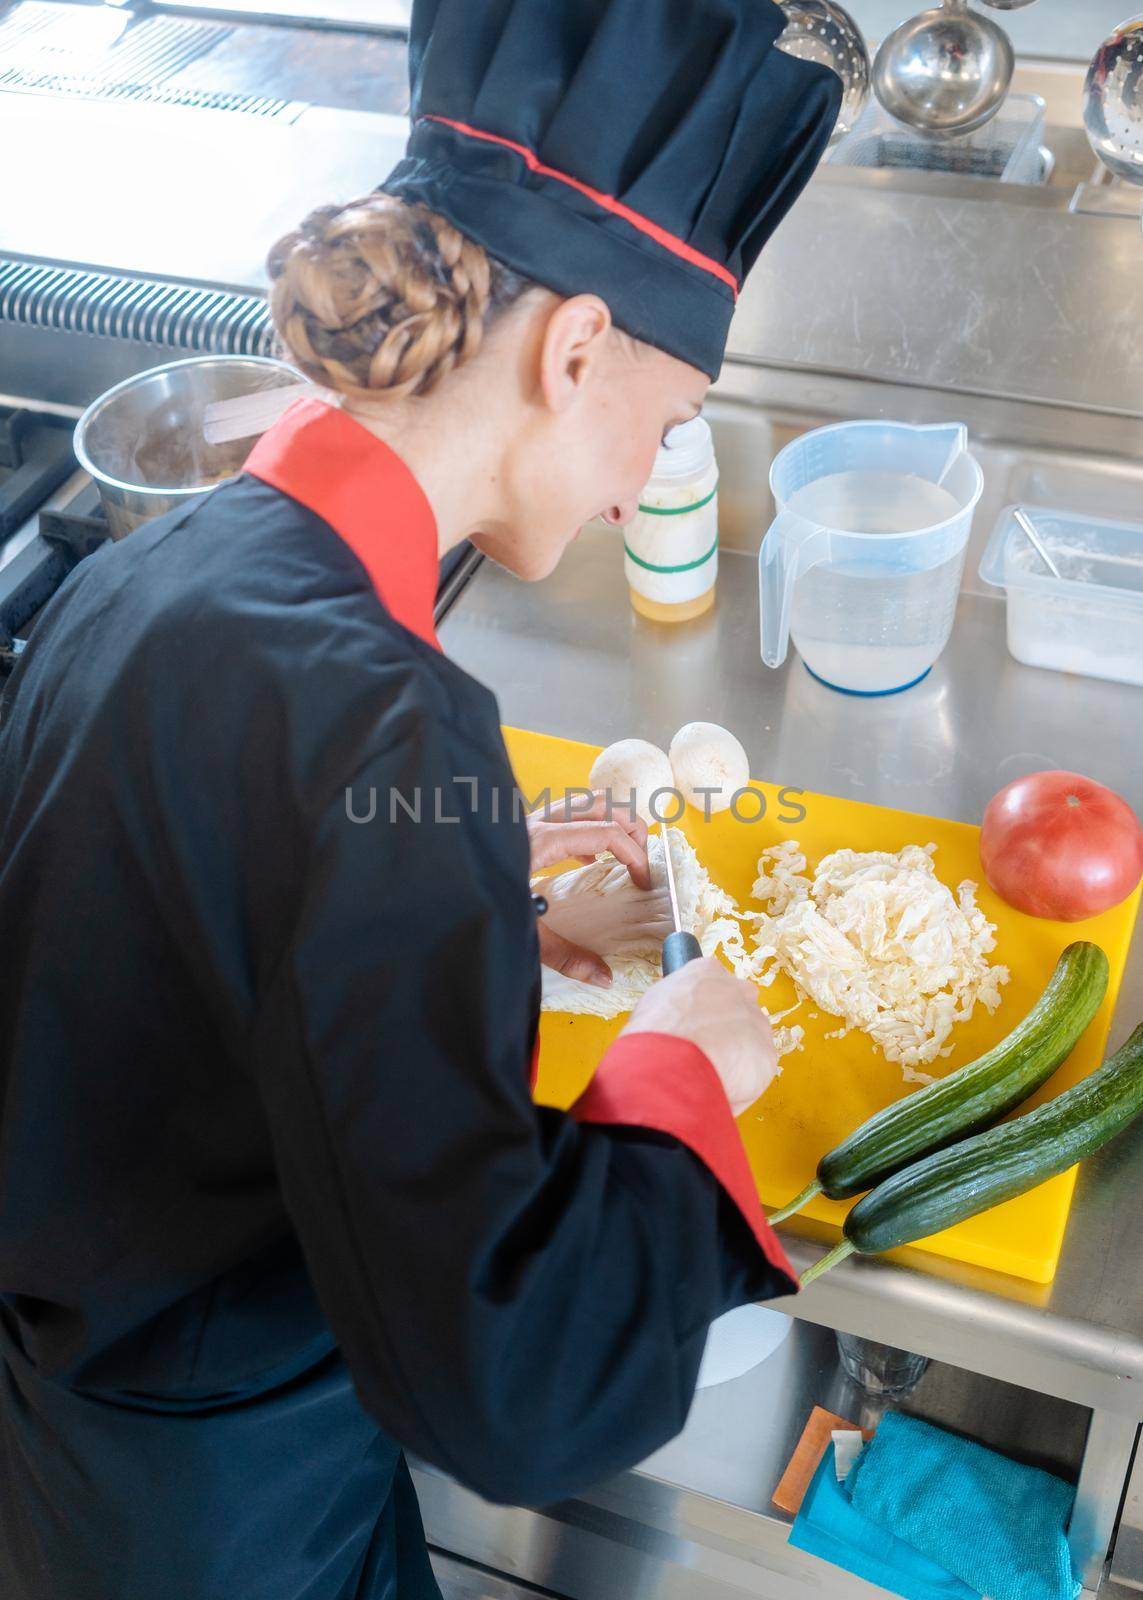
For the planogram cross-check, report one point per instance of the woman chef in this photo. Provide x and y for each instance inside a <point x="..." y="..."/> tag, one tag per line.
<point x="275" y="1201"/>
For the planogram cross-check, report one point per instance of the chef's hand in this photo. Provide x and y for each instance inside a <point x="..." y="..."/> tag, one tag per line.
<point x="574" y="831"/>
<point x="708" y="1005"/>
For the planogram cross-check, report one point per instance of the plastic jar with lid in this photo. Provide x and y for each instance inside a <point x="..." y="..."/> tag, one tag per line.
<point x="671" y="547"/>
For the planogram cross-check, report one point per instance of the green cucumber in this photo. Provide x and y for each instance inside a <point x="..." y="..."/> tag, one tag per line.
<point x="975" y="1096"/>
<point x="997" y="1165"/>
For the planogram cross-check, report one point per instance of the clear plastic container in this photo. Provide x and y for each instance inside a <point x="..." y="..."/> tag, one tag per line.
<point x="1008" y="149"/>
<point x="861" y="567"/>
<point x="1090" y="619"/>
<point x="671" y="547"/>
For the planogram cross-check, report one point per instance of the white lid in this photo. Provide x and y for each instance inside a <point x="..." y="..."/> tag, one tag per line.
<point x="687" y="450"/>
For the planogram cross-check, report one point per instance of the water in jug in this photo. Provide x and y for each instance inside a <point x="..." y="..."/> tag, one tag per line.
<point x="862" y="564"/>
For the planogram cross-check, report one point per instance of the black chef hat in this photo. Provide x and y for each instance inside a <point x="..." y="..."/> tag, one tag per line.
<point x="642" y="150"/>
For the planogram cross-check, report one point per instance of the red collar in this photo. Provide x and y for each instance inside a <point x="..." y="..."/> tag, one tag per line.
<point x="344" y="474"/>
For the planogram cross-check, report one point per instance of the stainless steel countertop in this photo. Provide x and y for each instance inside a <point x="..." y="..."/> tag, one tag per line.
<point x="253" y="178"/>
<point x="569" y="657"/>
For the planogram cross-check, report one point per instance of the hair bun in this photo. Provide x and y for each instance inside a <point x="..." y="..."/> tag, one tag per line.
<point x="382" y="298"/>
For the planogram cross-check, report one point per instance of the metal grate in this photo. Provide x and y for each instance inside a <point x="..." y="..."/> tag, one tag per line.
<point x="49" y="49"/>
<point x="25" y="21"/>
<point x="150" y="94"/>
<point x="106" y="305"/>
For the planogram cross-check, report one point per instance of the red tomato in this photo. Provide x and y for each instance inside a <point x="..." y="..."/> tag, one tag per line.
<point x="1059" y="845"/>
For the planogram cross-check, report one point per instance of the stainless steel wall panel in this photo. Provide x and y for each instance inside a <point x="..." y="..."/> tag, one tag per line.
<point x="973" y="296"/>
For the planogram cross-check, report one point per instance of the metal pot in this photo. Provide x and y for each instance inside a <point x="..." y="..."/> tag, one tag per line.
<point x="143" y="441"/>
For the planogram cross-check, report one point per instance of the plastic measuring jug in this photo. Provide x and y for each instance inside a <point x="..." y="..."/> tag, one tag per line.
<point x="862" y="565"/>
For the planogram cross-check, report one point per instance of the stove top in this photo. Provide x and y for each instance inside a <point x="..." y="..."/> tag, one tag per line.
<point x="35" y="458"/>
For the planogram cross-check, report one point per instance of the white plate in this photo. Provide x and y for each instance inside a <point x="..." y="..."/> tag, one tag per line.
<point x="741" y="1340"/>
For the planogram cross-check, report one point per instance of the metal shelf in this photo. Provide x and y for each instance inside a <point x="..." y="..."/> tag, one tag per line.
<point x="696" y="1518"/>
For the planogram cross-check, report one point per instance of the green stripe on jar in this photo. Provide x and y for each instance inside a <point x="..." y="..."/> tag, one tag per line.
<point x="678" y="511"/>
<point x="684" y="566"/>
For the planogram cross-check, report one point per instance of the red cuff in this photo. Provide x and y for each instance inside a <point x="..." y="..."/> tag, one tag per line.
<point x="535" y="1073"/>
<point x="655" y="1080"/>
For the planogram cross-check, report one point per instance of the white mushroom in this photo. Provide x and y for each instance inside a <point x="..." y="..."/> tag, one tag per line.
<point x="709" y="764"/>
<point x="634" y="767"/>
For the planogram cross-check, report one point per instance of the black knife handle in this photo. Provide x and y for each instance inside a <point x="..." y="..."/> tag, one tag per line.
<point x="678" y="949"/>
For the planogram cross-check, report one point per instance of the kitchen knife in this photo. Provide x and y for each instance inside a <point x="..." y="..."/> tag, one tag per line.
<point x="678" y="947"/>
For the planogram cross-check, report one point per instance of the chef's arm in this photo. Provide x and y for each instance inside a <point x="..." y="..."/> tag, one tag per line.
<point x="522" y="1296"/>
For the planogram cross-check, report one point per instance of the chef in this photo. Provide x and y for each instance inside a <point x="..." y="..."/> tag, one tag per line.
<point x="275" y="1200"/>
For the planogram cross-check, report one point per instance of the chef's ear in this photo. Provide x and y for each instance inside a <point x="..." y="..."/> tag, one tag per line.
<point x="574" y="347"/>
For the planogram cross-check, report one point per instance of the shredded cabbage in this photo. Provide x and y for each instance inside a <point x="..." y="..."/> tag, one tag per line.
<point x="876" y="939"/>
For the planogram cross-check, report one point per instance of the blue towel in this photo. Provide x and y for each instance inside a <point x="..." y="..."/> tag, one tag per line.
<point x="829" y="1527"/>
<point x="997" y="1525"/>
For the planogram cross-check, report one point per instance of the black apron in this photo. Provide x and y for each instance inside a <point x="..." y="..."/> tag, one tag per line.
<point x="115" y="1496"/>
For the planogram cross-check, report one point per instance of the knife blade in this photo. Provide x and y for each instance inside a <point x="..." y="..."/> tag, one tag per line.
<point x="679" y="947"/>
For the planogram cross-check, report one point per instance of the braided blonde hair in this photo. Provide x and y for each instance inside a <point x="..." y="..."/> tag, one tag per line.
<point x="379" y="298"/>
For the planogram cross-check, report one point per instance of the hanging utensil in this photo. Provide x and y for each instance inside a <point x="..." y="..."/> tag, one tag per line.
<point x="1113" y="102"/>
<point x="822" y="31"/>
<point x="945" y="71"/>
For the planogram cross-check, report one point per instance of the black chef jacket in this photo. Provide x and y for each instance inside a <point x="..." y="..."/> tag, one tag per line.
<point x="275" y="1200"/>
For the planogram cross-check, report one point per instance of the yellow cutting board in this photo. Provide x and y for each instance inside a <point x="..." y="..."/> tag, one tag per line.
<point x="832" y="1085"/>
